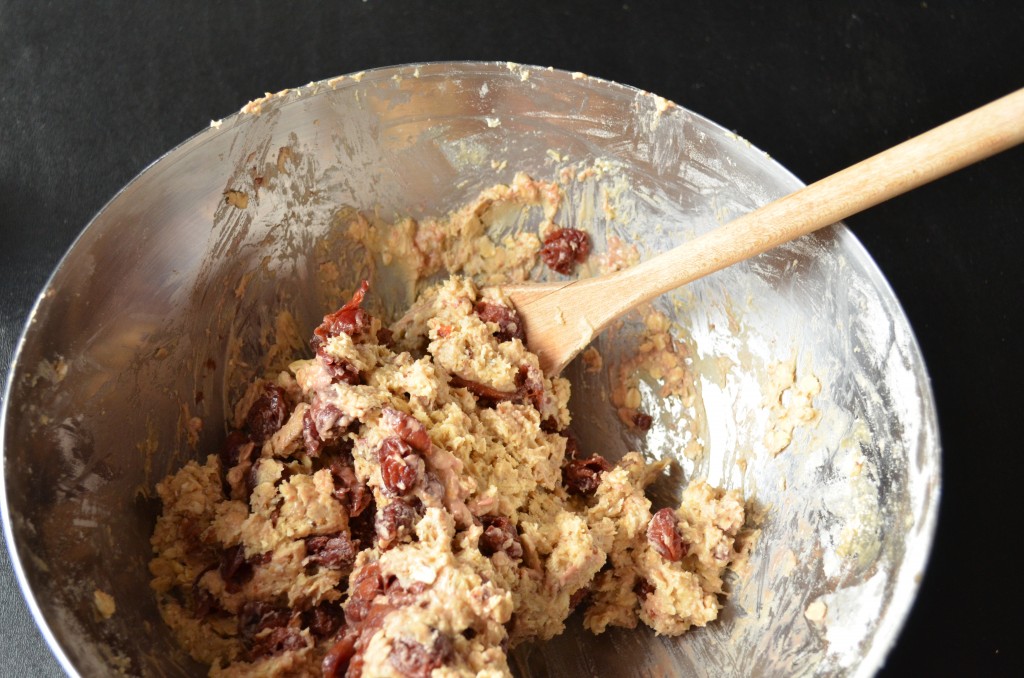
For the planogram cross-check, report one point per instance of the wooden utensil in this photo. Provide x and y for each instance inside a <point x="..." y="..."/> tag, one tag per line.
<point x="561" y="318"/>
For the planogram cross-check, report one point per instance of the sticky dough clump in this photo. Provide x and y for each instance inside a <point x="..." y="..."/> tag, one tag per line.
<point x="408" y="502"/>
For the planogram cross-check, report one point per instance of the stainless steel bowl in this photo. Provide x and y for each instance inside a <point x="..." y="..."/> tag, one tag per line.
<point x="165" y="294"/>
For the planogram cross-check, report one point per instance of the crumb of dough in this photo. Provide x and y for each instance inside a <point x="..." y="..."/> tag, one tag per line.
<point x="104" y="603"/>
<point x="120" y="664"/>
<point x="663" y="358"/>
<point x="53" y="371"/>
<point x="458" y="242"/>
<point x="619" y="255"/>
<point x="409" y="500"/>
<point x="237" y="199"/>
<point x="660" y="355"/>
<point x="592" y="360"/>
<point x="193" y="428"/>
<point x="287" y="342"/>
<point x="816" y="611"/>
<point x="791" y="404"/>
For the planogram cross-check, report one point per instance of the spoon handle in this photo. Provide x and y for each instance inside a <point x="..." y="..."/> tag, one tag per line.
<point x="971" y="137"/>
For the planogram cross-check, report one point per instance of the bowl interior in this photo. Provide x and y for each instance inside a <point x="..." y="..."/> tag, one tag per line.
<point x="166" y="301"/>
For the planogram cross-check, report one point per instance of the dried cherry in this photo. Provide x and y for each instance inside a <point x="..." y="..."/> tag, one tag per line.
<point x="350" y="319"/>
<point x="408" y="428"/>
<point x="582" y="476"/>
<point x="643" y="588"/>
<point x="578" y="596"/>
<point x="642" y="421"/>
<point x="234" y="569"/>
<point x="335" y="551"/>
<point x="336" y="661"/>
<point x="510" y="326"/>
<point x="347" y="488"/>
<point x="530" y="386"/>
<point x="267" y="414"/>
<point x="500" y="535"/>
<point x="238" y="450"/>
<point x="278" y="640"/>
<point x="341" y="370"/>
<point x="665" y="538"/>
<point x="572" y="447"/>
<point x="310" y="436"/>
<point x="415" y="660"/>
<point x="397" y="470"/>
<point x="364" y="585"/>
<point x="252" y="478"/>
<point x="324" y="417"/>
<point x="394" y="523"/>
<point x="487" y="396"/>
<point x="400" y="596"/>
<point x="324" y="620"/>
<point x="203" y="602"/>
<point x="564" y="248"/>
<point x="231" y="450"/>
<point x="256" y="616"/>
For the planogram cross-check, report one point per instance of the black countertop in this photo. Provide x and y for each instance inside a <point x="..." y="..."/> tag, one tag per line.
<point x="91" y="94"/>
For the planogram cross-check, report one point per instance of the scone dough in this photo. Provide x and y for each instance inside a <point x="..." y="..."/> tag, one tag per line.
<point x="409" y="503"/>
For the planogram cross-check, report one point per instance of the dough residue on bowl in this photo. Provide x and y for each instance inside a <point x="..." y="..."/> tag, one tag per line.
<point x="791" y="403"/>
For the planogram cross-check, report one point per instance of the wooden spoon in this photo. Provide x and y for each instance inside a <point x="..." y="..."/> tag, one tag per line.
<point x="561" y="318"/>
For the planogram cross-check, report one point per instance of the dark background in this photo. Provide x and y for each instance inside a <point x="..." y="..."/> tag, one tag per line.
<point x="92" y="93"/>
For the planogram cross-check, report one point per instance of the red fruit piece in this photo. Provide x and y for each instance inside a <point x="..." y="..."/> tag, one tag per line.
<point x="500" y="535"/>
<point x="582" y="476"/>
<point x="324" y="619"/>
<point x="324" y="417"/>
<point x="203" y="602"/>
<point x="280" y="639"/>
<point x="408" y="428"/>
<point x="238" y="450"/>
<point x="643" y="588"/>
<point x="487" y="396"/>
<point x="642" y="421"/>
<point x="397" y="466"/>
<point x="231" y="451"/>
<point x="413" y="660"/>
<point x="364" y="585"/>
<point x="578" y="597"/>
<point x="530" y="386"/>
<point x="336" y="661"/>
<point x="400" y="597"/>
<point x="335" y="551"/>
<point x="510" y="326"/>
<point x="350" y="319"/>
<point x="310" y="436"/>
<point x="664" y="537"/>
<point x="235" y="570"/>
<point x="348" y="489"/>
<point x="564" y="248"/>
<point x="341" y="370"/>
<point x="267" y="414"/>
<point x="572" y="447"/>
<point x="256" y="616"/>
<point x="365" y="612"/>
<point x="395" y="522"/>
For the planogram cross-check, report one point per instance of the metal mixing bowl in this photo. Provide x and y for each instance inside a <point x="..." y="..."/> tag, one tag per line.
<point x="164" y="299"/>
